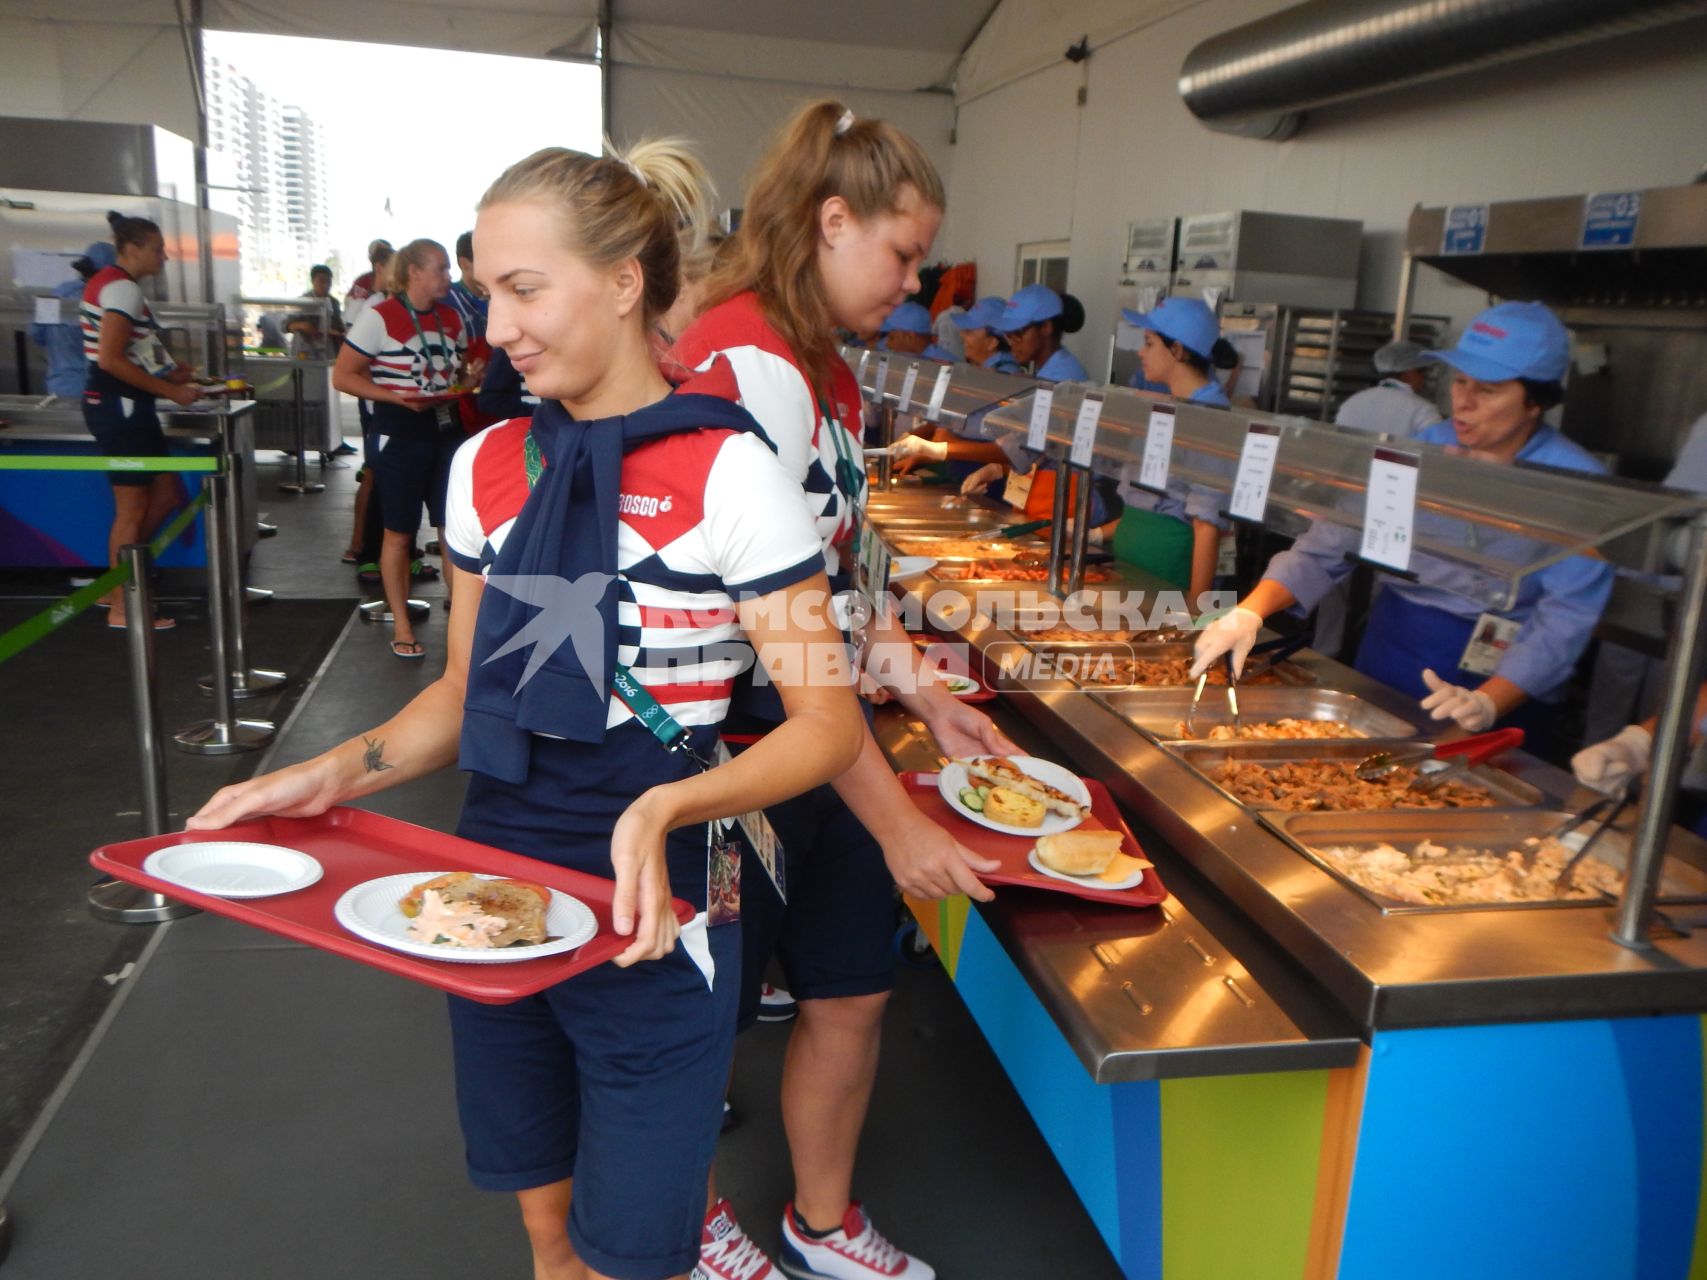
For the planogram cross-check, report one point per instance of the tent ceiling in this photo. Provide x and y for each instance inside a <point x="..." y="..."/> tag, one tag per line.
<point x="876" y="43"/>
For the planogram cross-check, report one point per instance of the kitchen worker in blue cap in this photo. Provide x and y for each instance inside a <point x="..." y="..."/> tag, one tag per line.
<point x="1176" y="535"/>
<point x="984" y="346"/>
<point x="67" y="363"/>
<point x="907" y="331"/>
<point x="1432" y="638"/>
<point x="987" y="349"/>
<point x="1034" y="323"/>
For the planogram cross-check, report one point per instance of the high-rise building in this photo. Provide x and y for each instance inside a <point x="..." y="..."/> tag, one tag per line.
<point x="269" y="169"/>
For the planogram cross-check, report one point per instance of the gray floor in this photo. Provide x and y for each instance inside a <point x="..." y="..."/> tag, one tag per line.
<point x="261" y="1110"/>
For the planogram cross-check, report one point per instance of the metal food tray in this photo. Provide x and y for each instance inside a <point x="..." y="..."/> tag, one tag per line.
<point x="1509" y="792"/>
<point x="1158" y="712"/>
<point x="1289" y="673"/>
<point x="1491" y="830"/>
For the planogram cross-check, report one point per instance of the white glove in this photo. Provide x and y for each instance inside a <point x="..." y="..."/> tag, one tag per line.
<point x="912" y="446"/>
<point x="1609" y="765"/>
<point x="975" y="482"/>
<point x="1096" y="537"/>
<point x="1471" y="709"/>
<point x="1234" y="632"/>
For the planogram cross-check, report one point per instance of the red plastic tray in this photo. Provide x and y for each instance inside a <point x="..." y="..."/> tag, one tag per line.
<point x="354" y="846"/>
<point x="1011" y="851"/>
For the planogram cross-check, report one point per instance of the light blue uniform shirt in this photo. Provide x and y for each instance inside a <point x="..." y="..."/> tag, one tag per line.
<point x="1063" y="366"/>
<point x="1557" y="606"/>
<point x="1002" y="362"/>
<point x="67" y="367"/>
<point x="941" y="354"/>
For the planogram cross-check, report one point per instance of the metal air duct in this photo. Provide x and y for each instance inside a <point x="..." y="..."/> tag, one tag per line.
<point x="1257" y="79"/>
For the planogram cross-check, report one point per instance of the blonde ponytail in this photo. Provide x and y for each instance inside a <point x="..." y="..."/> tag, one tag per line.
<point x="652" y="202"/>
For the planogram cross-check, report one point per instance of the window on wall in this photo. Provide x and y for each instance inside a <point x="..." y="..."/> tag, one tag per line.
<point x="1042" y="262"/>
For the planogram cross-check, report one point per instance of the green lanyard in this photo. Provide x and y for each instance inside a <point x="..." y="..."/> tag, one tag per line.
<point x="848" y="476"/>
<point x="426" y="353"/>
<point x="635" y="696"/>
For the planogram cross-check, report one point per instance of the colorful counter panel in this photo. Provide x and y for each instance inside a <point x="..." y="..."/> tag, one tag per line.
<point x="1546" y="1151"/>
<point x="60" y="519"/>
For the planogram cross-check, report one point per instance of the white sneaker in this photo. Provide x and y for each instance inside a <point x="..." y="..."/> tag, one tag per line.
<point x="857" y="1251"/>
<point x="728" y="1253"/>
<point x="776" y="1004"/>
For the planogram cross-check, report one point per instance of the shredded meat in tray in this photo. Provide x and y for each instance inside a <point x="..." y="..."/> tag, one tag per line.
<point x="1311" y="785"/>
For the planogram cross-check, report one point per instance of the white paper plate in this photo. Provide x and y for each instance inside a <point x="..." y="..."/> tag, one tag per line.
<point x="960" y="686"/>
<point x="1087" y="882"/>
<point x="953" y="778"/>
<point x="370" y="911"/>
<point x="234" y="868"/>
<point x="910" y="566"/>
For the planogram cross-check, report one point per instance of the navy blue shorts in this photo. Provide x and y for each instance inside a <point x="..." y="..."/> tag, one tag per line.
<point x="614" y="1078"/>
<point x="410" y="472"/>
<point x="835" y="937"/>
<point x="125" y="427"/>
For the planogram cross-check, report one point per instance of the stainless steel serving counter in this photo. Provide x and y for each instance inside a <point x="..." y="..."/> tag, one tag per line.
<point x="1093" y="968"/>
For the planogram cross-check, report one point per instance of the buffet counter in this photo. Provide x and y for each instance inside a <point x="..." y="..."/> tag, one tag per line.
<point x="61" y="519"/>
<point x="1274" y="1073"/>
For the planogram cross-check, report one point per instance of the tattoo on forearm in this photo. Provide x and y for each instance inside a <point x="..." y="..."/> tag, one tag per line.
<point x="371" y="758"/>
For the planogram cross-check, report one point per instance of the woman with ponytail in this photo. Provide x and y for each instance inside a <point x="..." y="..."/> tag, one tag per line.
<point x="836" y="223"/>
<point x="403" y="353"/>
<point x="128" y="370"/>
<point x="648" y="527"/>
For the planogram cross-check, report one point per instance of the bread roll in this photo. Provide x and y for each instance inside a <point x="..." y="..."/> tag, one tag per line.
<point x="1079" y="853"/>
<point x="1003" y="805"/>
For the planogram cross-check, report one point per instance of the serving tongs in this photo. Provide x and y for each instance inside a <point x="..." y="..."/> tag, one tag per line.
<point x="1197" y="696"/>
<point x="1618" y="804"/>
<point x="1011" y="531"/>
<point x="1440" y="763"/>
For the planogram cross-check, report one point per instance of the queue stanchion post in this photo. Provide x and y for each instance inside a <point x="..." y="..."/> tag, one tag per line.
<point x="114" y="900"/>
<point x="246" y="681"/>
<point x="225" y="734"/>
<point x="302" y="484"/>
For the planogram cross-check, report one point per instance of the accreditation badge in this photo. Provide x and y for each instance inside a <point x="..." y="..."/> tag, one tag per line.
<point x="1490" y="638"/>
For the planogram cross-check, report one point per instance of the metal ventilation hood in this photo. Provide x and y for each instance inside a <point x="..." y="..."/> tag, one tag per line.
<point x="1634" y="249"/>
<point x="1256" y="80"/>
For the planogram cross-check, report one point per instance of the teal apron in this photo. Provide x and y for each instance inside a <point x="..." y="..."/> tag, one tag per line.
<point x="1156" y="543"/>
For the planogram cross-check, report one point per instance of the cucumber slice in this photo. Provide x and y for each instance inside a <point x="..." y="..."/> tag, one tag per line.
<point x="972" y="799"/>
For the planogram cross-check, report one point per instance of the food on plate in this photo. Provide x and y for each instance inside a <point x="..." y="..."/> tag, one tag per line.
<point x="959" y="684"/>
<point x="1452" y="875"/>
<point x="1120" y="672"/>
<point x="1286" y="727"/>
<point x="1079" y="853"/>
<point x="1113" y="635"/>
<point x="1305" y="786"/>
<point x="1012" y="807"/>
<point x="1001" y="772"/>
<point x="460" y="909"/>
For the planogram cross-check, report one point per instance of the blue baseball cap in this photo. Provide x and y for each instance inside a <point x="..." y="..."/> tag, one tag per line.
<point x="1186" y="321"/>
<point x="1512" y="340"/>
<point x="909" y="317"/>
<point x="1031" y="305"/>
<point x="101" y="254"/>
<point x="983" y="314"/>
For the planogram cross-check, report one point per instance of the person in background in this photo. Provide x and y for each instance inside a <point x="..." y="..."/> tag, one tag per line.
<point x="307" y="341"/>
<point x="1034" y="323"/>
<point x="1618" y="761"/>
<point x="1508" y="370"/>
<point x="504" y="392"/>
<point x="1176" y="535"/>
<point x="947" y="333"/>
<point x="984" y="346"/>
<point x="907" y="331"/>
<point x="466" y="293"/>
<point x="1396" y="405"/>
<point x="596" y="1102"/>
<point x="402" y="348"/>
<point x="129" y="369"/>
<point x="67" y="367"/>
<point x="367" y="533"/>
<point x="838" y="218"/>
